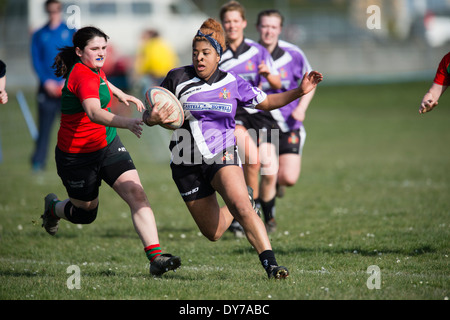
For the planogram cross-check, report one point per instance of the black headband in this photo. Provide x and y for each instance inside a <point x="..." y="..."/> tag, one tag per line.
<point x="211" y="40"/>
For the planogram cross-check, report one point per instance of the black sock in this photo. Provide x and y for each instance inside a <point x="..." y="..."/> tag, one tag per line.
<point x="267" y="259"/>
<point x="257" y="203"/>
<point x="268" y="209"/>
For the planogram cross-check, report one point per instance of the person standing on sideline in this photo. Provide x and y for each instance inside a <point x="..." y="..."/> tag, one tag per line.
<point x="292" y="64"/>
<point x="204" y="156"/>
<point x="440" y="84"/>
<point x="89" y="149"/>
<point x="253" y="63"/>
<point x="154" y="59"/>
<point x="45" y="43"/>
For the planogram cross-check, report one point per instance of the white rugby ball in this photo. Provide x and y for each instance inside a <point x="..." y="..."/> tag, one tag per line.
<point x="159" y="94"/>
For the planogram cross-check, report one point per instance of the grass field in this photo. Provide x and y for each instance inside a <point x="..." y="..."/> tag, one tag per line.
<point x="374" y="190"/>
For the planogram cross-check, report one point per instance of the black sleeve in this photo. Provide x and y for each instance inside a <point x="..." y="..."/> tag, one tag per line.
<point x="171" y="79"/>
<point x="167" y="83"/>
<point x="179" y="77"/>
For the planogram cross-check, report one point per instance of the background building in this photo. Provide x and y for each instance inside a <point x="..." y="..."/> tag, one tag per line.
<point x="412" y="36"/>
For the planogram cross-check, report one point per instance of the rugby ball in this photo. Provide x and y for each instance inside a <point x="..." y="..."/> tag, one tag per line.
<point x="159" y="94"/>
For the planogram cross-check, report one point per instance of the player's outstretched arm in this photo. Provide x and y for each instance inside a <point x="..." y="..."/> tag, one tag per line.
<point x="101" y="116"/>
<point x="126" y="98"/>
<point x="278" y="100"/>
<point x="431" y="98"/>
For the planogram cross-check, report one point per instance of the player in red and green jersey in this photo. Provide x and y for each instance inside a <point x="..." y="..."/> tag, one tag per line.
<point x="89" y="150"/>
<point x="77" y="133"/>
<point x="440" y="84"/>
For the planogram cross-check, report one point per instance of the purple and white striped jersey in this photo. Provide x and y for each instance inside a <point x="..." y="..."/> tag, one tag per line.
<point x="245" y="61"/>
<point x="209" y="108"/>
<point x="291" y="63"/>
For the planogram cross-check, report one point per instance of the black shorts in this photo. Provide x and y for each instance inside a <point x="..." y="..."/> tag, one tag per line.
<point x="82" y="173"/>
<point x="292" y="141"/>
<point x="261" y="126"/>
<point x="194" y="181"/>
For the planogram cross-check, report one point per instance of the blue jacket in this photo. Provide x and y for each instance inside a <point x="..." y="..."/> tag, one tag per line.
<point x="44" y="48"/>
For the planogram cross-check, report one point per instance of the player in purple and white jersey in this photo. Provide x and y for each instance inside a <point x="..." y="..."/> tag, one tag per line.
<point x="252" y="62"/>
<point x="204" y="157"/>
<point x="245" y="57"/>
<point x="292" y="64"/>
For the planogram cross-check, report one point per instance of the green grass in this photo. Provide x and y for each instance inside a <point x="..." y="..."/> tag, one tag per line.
<point x="374" y="190"/>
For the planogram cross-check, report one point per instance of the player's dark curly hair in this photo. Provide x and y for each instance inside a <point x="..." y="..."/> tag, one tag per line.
<point x="214" y="28"/>
<point x="67" y="56"/>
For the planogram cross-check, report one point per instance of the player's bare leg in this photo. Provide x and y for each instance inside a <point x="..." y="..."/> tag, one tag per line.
<point x="248" y="152"/>
<point x="268" y="184"/>
<point x="290" y="169"/>
<point x="129" y="187"/>
<point x="211" y="219"/>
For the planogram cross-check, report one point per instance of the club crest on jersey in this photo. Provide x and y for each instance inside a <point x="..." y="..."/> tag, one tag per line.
<point x="224" y="94"/>
<point x="227" y="156"/>
<point x="250" y="66"/>
<point x="293" y="139"/>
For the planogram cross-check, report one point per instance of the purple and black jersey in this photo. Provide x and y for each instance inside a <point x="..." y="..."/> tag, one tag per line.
<point x="209" y="109"/>
<point x="291" y="63"/>
<point x="244" y="62"/>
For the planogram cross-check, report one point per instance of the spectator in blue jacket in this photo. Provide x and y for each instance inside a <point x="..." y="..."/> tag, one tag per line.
<point x="44" y="48"/>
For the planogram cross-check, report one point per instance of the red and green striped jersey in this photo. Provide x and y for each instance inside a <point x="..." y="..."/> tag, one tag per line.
<point x="77" y="133"/>
<point x="443" y="73"/>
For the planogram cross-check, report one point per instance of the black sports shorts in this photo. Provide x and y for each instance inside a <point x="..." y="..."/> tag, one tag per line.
<point x="82" y="173"/>
<point x="261" y="126"/>
<point x="194" y="181"/>
<point x="292" y="141"/>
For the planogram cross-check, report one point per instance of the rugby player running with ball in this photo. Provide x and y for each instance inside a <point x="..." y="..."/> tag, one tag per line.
<point x="212" y="163"/>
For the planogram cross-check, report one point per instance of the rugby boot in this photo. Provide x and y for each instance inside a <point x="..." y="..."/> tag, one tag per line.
<point x="49" y="222"/>
<point x="277" y="272"/>
<point x="163" y="263"/>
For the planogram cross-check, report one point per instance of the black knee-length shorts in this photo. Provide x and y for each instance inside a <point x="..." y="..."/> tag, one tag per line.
<point x="82" y="173"/>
